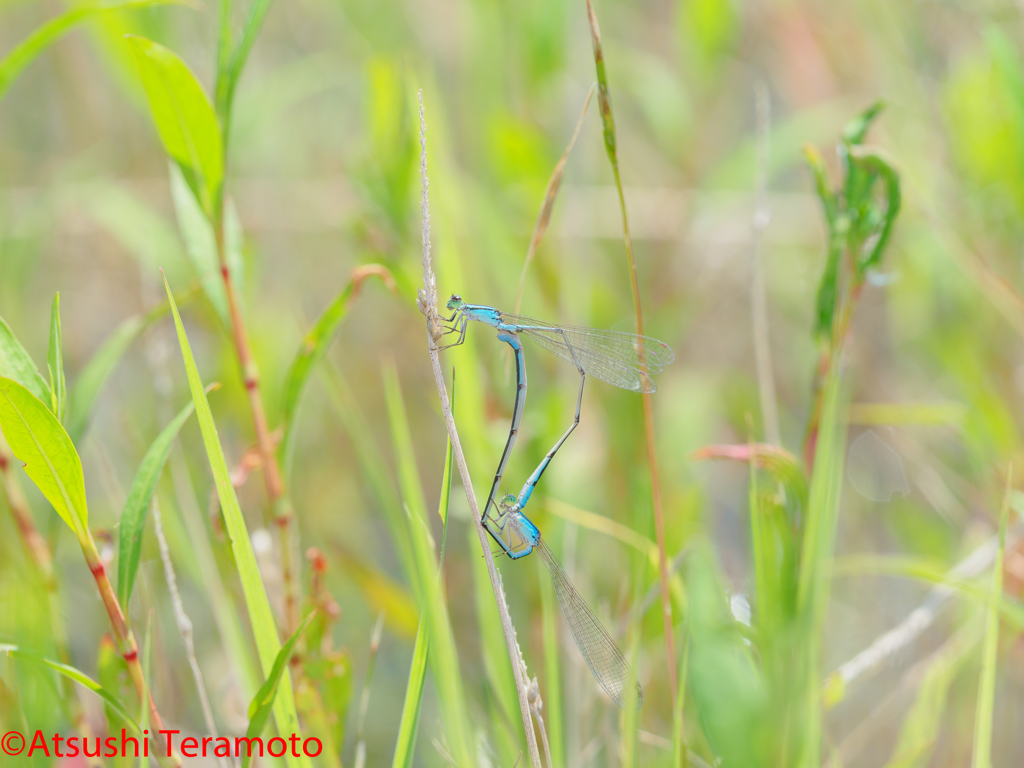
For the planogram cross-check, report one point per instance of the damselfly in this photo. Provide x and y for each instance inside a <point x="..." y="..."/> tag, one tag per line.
<point x="623" y="359"/>
<point x="610" y="669"/>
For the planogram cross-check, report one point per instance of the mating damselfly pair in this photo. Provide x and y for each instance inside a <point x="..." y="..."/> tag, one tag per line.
<point x="625" y="360"/>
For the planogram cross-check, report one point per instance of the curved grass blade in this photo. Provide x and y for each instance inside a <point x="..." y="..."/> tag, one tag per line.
<point x="77" y="676"/>
<point x="17" y="364"/>
<point x="405" y="746"/>
<point x="38" y="439"/>
<point x="55" y="362"/>
<point x="136" y="506"/>
<point x="443" y="657"/>
<point x="23" y="54"/>
<point x="258" y="605"/>
<point x="260" y="706"/>
<point x="314" y="347"/>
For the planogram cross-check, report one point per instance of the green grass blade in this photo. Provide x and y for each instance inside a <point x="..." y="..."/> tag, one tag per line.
<point x="443" y="657"/>
<point x="90" y="381"/>
<point x="405" y="745"/>
<point x="38" y="439"/>
<point x="816" y="557"/>
<point x="55" y="362"/>
<point x="311" y="352"/>
<point x="25" y="52"/>
<point x="75" y="675"/>
<point x="260" y="615"/>
<point x="15" y="363"/>
<point x="263" y="701"/>
<point x="136" y="506"/>
<point x="185" y="120"/>
<point x="982" y="753"/>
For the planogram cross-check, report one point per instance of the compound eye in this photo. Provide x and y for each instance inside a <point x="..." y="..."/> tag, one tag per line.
<point x="508" y="501"/>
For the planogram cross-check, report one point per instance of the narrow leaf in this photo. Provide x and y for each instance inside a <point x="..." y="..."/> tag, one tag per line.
<point x="15" y="363"/>
<point x="77" y="676"/>
<point x="90" y="381"/>
<point x="982" y="753"/>
<point x="405" y="746"/>
<point x="262" y="702"/>
<point x="55" y="362"/>
<point x="38" y="439"/>
<point x="185" y="120"/>
<point x="314" y="347"/>
<point x="227" y="83"/>
<point x="260" y="615"/>
<point x="136" y="506"/>
<point x="25" y="52"/>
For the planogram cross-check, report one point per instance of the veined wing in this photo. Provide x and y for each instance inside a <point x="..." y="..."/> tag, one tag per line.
<point x="612" y="356"/>
<point x="606" y="662"/>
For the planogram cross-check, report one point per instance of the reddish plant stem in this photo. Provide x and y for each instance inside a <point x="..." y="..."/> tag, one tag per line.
<point x="126" y="644"/>
<point x="282" y="510"/>
<point x="39" y="552"/>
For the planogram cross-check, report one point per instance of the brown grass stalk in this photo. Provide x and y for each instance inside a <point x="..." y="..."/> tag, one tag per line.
<point x="652" y="457"/>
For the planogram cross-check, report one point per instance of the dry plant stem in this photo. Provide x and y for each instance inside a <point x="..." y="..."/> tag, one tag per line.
<point x="652" y="456"/>
<point x="540" y="227"/>
<point x="126" y="644"/>
<point x="428" y="305"/>
<point x="184" y="624"/>
<point x="271" y="471"/>
<point x="758" y="297"/>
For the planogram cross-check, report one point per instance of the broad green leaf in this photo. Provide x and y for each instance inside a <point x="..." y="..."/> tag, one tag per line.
<point x="55" y="362"/>
<point x="314" y="347"/>
<point x="77" y="676"/>
<point x="260" y="615"/>
<point x="90" y="381"/>
<point x="263" y="701"/>
<point x="38" y="439"/>
<point x="185" y="120"/>
<point x="23" y="54"/>
<point x="201" y="243"/>
<point x="405" y="745"/>
<point x="136" y="506"/>
<point x="16" y="364"/>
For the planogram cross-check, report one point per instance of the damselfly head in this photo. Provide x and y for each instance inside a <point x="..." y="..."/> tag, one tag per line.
<point x="455" y="302"/>
<point x="508" y="502"/>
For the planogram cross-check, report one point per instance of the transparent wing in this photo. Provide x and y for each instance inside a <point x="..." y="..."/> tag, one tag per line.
<point x="612" y="356"/>
<point x="606" y="663"/>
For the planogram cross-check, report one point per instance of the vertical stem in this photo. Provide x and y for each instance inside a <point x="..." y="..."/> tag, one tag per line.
<point x="126" y="644"/>
<point x="427" y="303"/>
<point x="652" y="456"/>
<point x="279" y="503"/>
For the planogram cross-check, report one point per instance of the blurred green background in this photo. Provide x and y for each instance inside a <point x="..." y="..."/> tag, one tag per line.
<point x="323" y="171"/>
